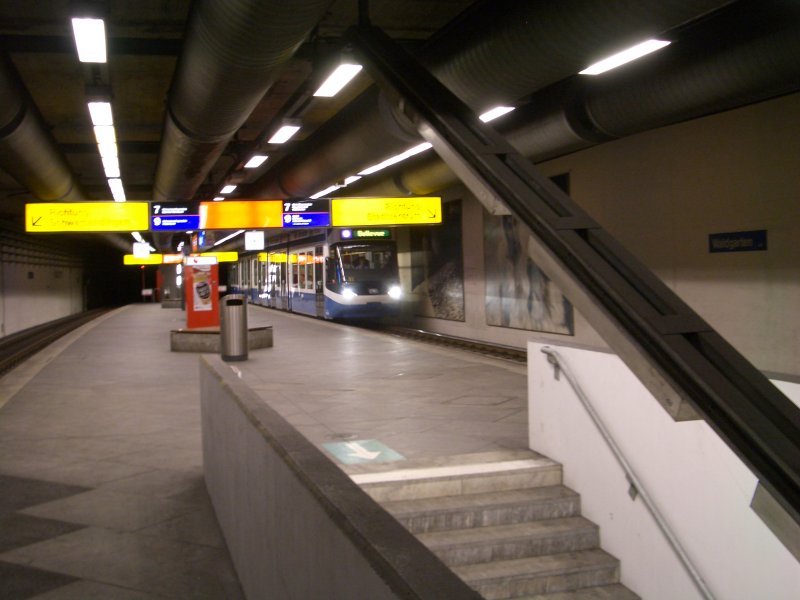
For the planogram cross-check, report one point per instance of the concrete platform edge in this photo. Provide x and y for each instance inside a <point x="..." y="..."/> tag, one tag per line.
<point x="287" y="510"/>
<point x="187" y="340"/>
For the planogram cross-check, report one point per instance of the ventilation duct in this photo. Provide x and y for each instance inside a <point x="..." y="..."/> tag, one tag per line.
<point x="232" y="53"/>
<point x="28" y="151"/>
<point x="499" y="52"/>
<point x="683" y="83"/>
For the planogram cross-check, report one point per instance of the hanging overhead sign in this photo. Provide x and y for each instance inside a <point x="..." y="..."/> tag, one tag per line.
<point x="306" y="213"/>
<point x="174" y="216"/>
<point x="204" y="258"/>
<point x="367" y="212"/>
<point x="152" y="259"/>
<point x="241" y="214"/>
<point x="231" y="214"/>
<point x="46" y="217"/>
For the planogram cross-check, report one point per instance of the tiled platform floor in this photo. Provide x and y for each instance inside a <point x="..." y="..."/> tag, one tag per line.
<point x="100" y="453"/>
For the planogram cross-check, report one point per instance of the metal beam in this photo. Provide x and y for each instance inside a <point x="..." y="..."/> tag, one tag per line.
<point x="684" y="363"/>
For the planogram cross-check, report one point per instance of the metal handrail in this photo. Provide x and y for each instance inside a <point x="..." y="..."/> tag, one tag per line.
<point x="555" y="359"/>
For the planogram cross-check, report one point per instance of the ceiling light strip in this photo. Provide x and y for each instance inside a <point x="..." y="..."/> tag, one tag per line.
<point x="626" y="56"/>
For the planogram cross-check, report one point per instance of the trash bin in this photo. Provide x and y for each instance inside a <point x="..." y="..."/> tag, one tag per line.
<point x="233" y="327"/>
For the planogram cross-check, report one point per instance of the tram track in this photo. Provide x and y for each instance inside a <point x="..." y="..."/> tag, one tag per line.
<point x="516" y="355"/>
<point x="19" y="346"/>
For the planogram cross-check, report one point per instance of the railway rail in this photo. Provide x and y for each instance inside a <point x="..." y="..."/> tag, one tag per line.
<point x="518" y="355"/>
<point x="16" y="347"/>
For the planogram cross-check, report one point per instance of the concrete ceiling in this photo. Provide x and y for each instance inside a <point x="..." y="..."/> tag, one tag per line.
<point x="146" y="39"/>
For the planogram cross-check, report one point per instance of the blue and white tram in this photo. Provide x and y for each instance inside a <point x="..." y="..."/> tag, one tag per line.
<point x="329" y="275"/>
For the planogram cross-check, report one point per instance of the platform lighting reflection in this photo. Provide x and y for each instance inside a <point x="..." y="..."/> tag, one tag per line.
<point x="111" y="166"/>
<point x="397" y="158"/>
<point x="626" y="56"/>
<point x="100" y="113"/>
<point x="105" y="134"/>
<point x="340" y="77"/>
<point x="395" y="292"/>
<point x="335" y="186"/>
<point x="90" y="39"/>
<point x="117" y="190"/>
<point x="283" y="134"/>
<point x="227" y="189"/>
<point x="109" y="149"/>
<point x="496" y="112"/>
<point x="230" y="237"/>
<point x="256" y="161"/>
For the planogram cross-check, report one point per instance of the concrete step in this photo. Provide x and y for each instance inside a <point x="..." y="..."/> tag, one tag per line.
<point x="501" y="580"/>
<point x="603" y="592"/>
<point x="485" y="509"/>
<point x="507" y="542"/>
<point x="422" y="481"/>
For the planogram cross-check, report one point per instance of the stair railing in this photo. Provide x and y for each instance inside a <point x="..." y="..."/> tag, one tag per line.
<point x="637" y="488"/>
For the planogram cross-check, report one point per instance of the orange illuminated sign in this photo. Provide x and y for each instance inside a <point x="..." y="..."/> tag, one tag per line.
<point x="241" y="214"/>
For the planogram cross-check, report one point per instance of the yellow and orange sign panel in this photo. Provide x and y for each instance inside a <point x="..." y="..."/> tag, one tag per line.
<point x="152" y="259"/>
<point x="241" y="214"/>
<point x="366" y="212"/>
<point x="47" y="217"/>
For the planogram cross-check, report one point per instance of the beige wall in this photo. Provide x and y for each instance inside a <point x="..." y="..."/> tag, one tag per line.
<point x="661" y="193"/>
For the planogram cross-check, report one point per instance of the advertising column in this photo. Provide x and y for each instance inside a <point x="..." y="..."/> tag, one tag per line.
<point x="201" y="285"/>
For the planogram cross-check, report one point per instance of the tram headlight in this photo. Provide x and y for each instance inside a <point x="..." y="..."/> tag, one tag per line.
<point x="395" y="292"/>
<point x="348" y="294"/>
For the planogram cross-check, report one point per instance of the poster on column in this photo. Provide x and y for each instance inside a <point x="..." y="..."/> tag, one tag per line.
<point x="202" y="288"/>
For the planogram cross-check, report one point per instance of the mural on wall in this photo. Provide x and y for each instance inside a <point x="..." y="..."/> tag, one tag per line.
<point x="518" y="294"/>
<point x="437" y="266"/>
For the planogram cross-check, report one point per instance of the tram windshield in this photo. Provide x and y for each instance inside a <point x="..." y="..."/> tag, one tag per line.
<point x="367" y="261"/>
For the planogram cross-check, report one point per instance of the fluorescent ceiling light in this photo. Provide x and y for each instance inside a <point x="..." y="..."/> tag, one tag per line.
<point x="256" y="161"/>
<point x="283" y="134"/>
<point x="104" y="134"/>
<point x="90" y="39"/>
<point x="227" y="189"/>
<point x="351" y="179"/>
<point x="497" y="111"/>
<point x="625" y="56"/>
<point x="107" y="149"/>
<point x="230" y="237"/>
<point x="117" y="190"/>
<point x="111" y="166"/>
<point x="396" y="159"/>
<point x="218" y="198"/>
<point x="337" y="80"/>
<point x="100" y="113"/>
<point x="325" y="192"/>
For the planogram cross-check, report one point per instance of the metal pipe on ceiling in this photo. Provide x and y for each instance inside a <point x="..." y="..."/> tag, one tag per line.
<point x="501" y="51"/>
<point x="675" y="86"/>
<point x="28" y="151"/>
<point x="232" y="53"/>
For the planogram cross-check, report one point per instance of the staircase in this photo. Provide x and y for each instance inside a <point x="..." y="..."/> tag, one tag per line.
<point x="502" y="521"/>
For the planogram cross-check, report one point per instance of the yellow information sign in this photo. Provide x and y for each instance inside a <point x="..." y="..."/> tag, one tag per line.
<point x="152" y="259"/>
<point x="367" y="212"/>
<point x="48" y="217"/>
<point x="223" y="256"/>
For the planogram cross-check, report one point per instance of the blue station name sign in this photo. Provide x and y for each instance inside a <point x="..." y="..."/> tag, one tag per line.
<point x="738" y="241"/>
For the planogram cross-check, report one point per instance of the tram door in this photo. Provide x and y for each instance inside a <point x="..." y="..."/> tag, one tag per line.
<point x="319" y="281"/>
<point x="282" y="282"/>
